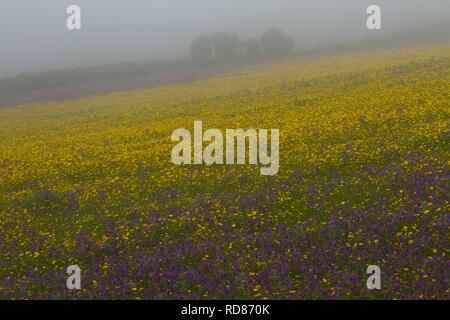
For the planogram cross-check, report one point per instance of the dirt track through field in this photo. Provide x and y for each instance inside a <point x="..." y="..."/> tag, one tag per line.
<point x="130" y="83"/>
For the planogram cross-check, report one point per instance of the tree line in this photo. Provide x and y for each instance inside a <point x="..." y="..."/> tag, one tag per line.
<point x="227" y="46"/>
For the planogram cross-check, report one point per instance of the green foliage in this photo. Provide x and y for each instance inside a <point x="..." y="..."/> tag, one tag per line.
<point x="276" y="43"/>
<point x="251" y="48"/>
<point x="226" y="45"/>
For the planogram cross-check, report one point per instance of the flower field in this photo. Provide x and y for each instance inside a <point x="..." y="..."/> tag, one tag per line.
<point x="363" y="180"/>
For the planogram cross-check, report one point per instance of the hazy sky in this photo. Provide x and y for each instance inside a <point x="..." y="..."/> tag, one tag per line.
<point x="33" y="34"/>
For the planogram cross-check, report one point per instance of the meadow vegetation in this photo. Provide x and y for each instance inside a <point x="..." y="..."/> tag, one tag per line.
<point x="363" y="179"/>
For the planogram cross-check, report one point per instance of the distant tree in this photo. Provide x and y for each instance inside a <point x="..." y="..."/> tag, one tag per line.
<point x="226" y="45"/>
<point x="276" y="43"/>
<point x="202" y="48"/>
<point x="251" y="48"/>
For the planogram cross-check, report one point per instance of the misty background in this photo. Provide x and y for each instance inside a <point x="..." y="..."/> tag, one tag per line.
<point x="34" y="37"/>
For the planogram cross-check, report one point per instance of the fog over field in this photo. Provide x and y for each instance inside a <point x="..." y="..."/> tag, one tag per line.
<point x="33" y="34"/>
